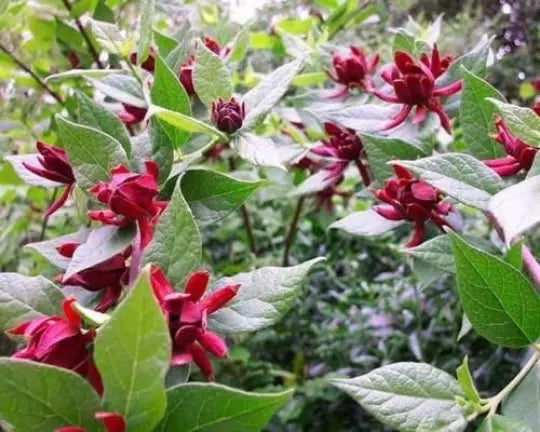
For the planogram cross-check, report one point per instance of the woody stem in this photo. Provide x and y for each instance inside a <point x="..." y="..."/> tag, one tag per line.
<point x="45" y="221"/>
<point x="30" y="72"/>
<point x="291" y="232"/>
<point x="245" y="216"/>
<point x="82" y="31"/>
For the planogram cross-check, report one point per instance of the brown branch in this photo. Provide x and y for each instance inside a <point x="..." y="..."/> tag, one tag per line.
<point x="291" y="233"/>
<point x="245" y="216"/>
<point x="83" y="33"/>
<point x="30" y="72"/>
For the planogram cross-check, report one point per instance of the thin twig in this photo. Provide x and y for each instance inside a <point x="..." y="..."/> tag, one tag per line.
<point x="245" y="216"/>
<point x="30" y="72"/>
<point x="83" y="33"/>
<point x="291" y="232"/>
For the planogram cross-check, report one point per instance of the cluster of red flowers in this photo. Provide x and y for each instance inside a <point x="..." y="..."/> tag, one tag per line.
<point x="406" y="198"/>
<point x="187" y="315"/>
<point x="413" y="82"/>
<point x="520" y="155"/>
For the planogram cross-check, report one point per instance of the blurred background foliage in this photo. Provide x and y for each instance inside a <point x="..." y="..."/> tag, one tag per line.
<point x="363" y="308"/>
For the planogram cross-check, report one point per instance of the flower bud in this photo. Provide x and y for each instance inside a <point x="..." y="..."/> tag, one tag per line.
<point x="228" y="116"/>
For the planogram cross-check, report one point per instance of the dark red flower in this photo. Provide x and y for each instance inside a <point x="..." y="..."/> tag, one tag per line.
<point x="186" y="68"/>
<point x="187" y="313"/>
<point x="215" y="153"/>
<point x="60" y="341"/>
<point x="228" y="116"/>
<point x="414" y="86"/>
<point x="344" y="147"/>
<point x="352" y="70"/>
<point x="520" y="155"/>
<point x="55" y="166"/>
<point x="536" y="108"/>
<point x="131" y="115"/>
<point x="108" y="276"/>
<point x="74" y="59"/>
<point x="406" y="198"/>
<point x="149" y="64"/>
<point x="131" y="197"/>
<point x="113" y="422"/>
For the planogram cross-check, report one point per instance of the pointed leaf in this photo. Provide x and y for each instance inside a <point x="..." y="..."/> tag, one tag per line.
<point x="258" y="150"/>
<point x="211" y="79"/>
<point x="145" y="31"/>
<point x="186" y="123"/>
<point x="264" y="297"/>
<point x="23" y="298"/>
<point x="367" y="223"/>
<point x="97" y="117"/>
<point x="37" y="397"/>
<point x="212" y="195"/>
<point x="497" y="423"/>
<point x="409" y="397"/>
<point x="83" y="73"/>
<point x="219" y="408"/>
<point x="176" y="246"/>
<point x="476" y="116"/>
<point x="466" y="381"/>
<point x="500" y="301"/>
<point x="167" y="92"/>
<point x="91" y="152"/>
<point x="123" y="88"/>
<point x="132" y="352"/>
<point x="523" y="403"/>
<point x="524" y="123"/>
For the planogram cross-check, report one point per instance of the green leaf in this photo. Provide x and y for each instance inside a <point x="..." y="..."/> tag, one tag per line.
<point x="366" y="223"/>
<point x="219" y="408"/>
<point x="165" y="43"/>
<point x="458" y="175"/>
<point x="211" y="79"/>
<point x="97" y="117"/>
<point x="102" y="243"/>
<point x="381" y="150"/>
<point x="269" y="91"/>
<point x="23" y="298"/>
<point x="523" y="404"/>
<point x="154" y="145"/>
<point x="476" y="116"/>
<point x="91" y="152"/>
<point x="309" y="79"/>
<point x="517" y="208"/>
<point x="264" y="297"/>
<point x="123" y="88"/>
<point x="500" y="301"/>
<point x="403" y="41"/>
<point x="497" y="423"/>
<point x="167" y="92"/>
<point x="524" y="123"/>
<point x="83" y="73"/>
<point x="409" y="397"/>
<point x="176" y="246"/>
<point x="466" y="381"/>
<point x="47" y="248"/>
<point x="212" y="195"/>
<point x="145" y="31"/>
<point x="132" y="352"/>
<point x="240" y="45"/>
<point x="186" y="123"/>
<point x="258" y="150"/>
<point x="37" y="397"/>
<point x="314" y="183"/>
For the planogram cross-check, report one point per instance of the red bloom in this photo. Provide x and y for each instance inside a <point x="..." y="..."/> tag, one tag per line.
<point x="187" y="313"/>
<point x="414" y="86"/>
<point x="59" y="341"/>
<point x="108" y="276"/>
<point x="413" y="200"/>
<point x="214" y="154"/>
<point x="228" y="116"/>
<point x="353" y="70"/>
<point x="149" y="64"/>
<point x="185" y="73"/>
<point x="131" y="115"/>
<point x="344" y="146"/>
<point x="55" y="166"/>
<point x="130" y="197"/>
<point x="113" y="422"/>
<point x="520" y="155"/>
<point x="73" y="59"/>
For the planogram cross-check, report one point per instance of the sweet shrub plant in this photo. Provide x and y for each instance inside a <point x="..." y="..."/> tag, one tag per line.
<point x="145" y="120"/>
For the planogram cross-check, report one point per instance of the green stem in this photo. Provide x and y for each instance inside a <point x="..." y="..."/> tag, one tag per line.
<point x="291" y="232"/>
